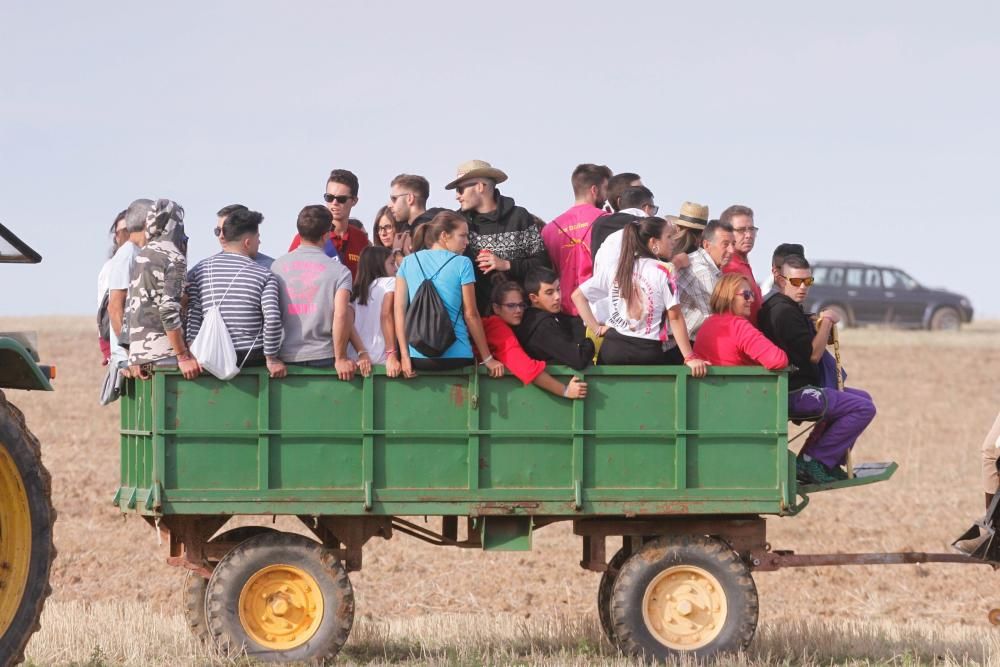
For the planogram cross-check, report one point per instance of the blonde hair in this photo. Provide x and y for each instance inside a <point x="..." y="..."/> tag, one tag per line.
<point x="725" y="292"/>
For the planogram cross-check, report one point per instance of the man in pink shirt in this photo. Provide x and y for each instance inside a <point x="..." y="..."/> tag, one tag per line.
<point x="745" y="234"/>
<point x="567" y="238"/>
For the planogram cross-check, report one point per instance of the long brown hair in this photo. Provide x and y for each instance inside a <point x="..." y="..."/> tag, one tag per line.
<point x="635" y="245"/>
<point x="384" y="212"/>
<point x="428" y="233"/>
<point x="721" y="301"/>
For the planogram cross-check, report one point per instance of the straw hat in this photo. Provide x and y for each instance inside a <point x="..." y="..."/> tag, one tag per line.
<point x="693" y="216"/>
<point x="476" y="169"/>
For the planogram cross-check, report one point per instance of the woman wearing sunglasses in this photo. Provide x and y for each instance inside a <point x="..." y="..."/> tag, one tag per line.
<point x="509" y="304"/>
<point x="727" y="338"/>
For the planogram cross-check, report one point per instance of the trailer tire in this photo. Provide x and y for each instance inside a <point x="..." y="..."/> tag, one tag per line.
<point x="26" y="548"/>
<point x="604" y="591"/>
<point x="684" y="596"/>
<point x="195" y="585"/>
<point x="280" y="597"/>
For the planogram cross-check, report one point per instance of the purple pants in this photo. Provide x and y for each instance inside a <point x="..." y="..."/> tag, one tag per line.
<point x="847" y="414"/>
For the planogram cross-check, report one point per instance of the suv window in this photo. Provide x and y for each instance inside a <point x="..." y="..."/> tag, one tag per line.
<point x="835" y="277"/>
<point x="855" y="277"/>
<point x="906" y="281"/>
<point x="819" y="275"/>
<point x="890" y="280"/>
<point x="873" y="278"/>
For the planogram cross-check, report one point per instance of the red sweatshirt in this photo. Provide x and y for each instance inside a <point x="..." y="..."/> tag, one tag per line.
<point x="730" y="340"/>
<point x="508" y="351"/>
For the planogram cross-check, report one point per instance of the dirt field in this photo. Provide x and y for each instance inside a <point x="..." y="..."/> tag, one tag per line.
<point x="936" y="394"/>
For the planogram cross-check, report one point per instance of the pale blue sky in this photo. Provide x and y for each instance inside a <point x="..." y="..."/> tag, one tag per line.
<point x="866" y="131"/>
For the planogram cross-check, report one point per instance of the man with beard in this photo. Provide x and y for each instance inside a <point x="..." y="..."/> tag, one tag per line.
<point x="503" y="237"/>
<point x="567" y="238"/>
<point x="408" y="194"/>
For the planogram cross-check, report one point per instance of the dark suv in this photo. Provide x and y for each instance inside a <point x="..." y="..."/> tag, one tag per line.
<point x="868" y="294"/>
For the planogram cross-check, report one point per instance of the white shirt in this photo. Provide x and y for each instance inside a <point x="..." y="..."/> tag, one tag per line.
<point x="655" y="298"/>
<point x="368" y="321"/>
<point x="102" y="282"/>
<point x="606" y="262"/>
<point x="120" y="275"/>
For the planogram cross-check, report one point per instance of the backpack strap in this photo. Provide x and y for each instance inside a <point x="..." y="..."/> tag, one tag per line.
<point x="573" y="241"/>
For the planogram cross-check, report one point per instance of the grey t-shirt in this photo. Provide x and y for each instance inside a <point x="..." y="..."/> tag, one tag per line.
<point x="308" y="281"/>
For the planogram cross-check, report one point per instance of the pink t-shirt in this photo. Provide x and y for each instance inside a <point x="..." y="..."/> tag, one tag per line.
<point x="730" y="340"/>
<point x="567" y="240"/>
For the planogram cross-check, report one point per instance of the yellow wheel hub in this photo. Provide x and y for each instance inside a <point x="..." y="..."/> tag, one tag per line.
<point x="684" y="607"/>
<point x="15" y="539"/>
<point x="281" y="607"/>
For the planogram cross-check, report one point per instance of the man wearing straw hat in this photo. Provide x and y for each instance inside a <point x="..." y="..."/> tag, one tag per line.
<point x="503" y="236"/>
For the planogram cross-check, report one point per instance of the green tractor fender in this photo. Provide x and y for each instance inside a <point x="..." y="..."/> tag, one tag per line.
<point x="19" y="367"/>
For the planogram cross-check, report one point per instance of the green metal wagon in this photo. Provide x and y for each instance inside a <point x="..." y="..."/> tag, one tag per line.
<point x="685" y="469"/>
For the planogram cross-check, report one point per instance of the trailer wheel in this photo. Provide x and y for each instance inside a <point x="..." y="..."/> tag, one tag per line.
<point x="26" y="549"/>
<point x="688" y="595"/>
<point x="280" y="597"/>
<point x="195" y="585"/>
<point x="604" y="590"/>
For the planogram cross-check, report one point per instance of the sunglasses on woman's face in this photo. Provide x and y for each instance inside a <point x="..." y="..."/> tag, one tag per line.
<point x="799" y="282"/>
<point x="746" y="294"/>
<point x="340" y="199"/>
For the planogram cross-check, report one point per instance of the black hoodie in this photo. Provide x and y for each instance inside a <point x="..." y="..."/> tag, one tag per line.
<point x="510" y="233"/>
<point x="549" y="337"/>
<point x="605" y="226"/>
<point x="426" y="216"/>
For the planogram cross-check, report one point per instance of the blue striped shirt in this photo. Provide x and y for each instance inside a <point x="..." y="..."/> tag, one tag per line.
<point x="250" y="308"/>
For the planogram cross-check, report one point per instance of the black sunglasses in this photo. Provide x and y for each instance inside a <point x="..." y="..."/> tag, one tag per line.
<point x="217" y="231"/>
<point x="340" y="199"/>
<point x="460" y="189"/>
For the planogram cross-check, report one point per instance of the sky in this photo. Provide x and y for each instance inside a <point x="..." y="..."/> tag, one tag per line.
<point x="866" y="131"/>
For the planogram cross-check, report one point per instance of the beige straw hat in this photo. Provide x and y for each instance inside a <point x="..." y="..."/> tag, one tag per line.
<point x="693" y="216"/>
<point x="476" y="169"/>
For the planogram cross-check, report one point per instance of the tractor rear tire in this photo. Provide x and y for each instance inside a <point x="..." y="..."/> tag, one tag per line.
<point x="684" y="596"/>
<point x="195" y="585"/>
<point x="280" y="597"/>
<point x="604" y="590"/>
<point x="26" y="548"/>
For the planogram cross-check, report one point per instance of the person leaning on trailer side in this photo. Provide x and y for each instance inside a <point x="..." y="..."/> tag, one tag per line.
<point x="314" y="293"/>
<point x="545" y="331"/>
<point x="119" y="235"/>
<point x="728" y="338"/>
<point x="508" y="308"/>
<point x="245" y="292"/>
<point x="441" y="261"/>
<point x="155" y="329"/>
<point x="640" y="295"/>
<point x="845" y="414"/>
<point x="372" y="300"/>
<point x="120" y="278"/>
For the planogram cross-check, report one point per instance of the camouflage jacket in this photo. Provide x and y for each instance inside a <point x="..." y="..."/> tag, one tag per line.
<point x="154" y="295"/>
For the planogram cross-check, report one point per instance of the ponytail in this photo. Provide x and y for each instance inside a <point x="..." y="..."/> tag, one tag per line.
<point x="427" y="234"/>
<point x="635" y="240"/>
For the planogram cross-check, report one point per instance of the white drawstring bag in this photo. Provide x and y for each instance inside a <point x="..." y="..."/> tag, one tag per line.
<point x="213" y="346"/>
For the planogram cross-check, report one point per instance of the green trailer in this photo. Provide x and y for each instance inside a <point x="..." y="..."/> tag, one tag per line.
<point x="684" y="469"/>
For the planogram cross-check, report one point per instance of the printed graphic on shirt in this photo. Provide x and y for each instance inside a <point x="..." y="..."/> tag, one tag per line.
<point x="508" y="245"/>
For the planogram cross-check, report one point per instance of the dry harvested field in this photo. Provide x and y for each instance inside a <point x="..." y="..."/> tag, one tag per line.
<point x="115" y="601"/>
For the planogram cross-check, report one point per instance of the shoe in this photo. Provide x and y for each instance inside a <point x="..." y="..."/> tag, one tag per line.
<point x="838" y="473"/>
<point x="813" y="472"/>
<point x="969" y="545"/>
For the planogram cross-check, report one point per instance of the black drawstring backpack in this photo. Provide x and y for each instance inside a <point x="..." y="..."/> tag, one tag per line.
<point x="429" y="330"/>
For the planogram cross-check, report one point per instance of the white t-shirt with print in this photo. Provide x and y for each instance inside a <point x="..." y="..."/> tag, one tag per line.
<point x="655" y="297"/>
<point x="368" y="321"/>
